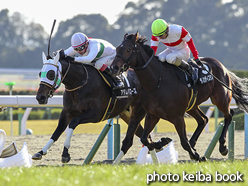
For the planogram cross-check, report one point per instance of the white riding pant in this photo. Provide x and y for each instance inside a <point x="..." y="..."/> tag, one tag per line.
<point x="170" y="56"/>
<point x="107" y="60"/>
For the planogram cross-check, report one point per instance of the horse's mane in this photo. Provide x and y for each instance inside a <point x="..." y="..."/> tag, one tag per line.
<point x="142" y="40"/>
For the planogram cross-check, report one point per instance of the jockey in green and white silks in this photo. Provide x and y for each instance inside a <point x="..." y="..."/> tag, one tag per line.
<point x="97" y="52"/>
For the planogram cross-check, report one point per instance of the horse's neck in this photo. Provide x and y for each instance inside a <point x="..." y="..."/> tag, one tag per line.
<point x="149" y="76"/>
<point x="73" y="74"/>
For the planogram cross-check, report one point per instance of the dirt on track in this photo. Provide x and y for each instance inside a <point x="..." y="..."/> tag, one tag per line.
<point x="81" y="145"/>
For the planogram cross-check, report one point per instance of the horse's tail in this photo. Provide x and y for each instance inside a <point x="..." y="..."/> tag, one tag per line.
<point x="240" y="91"/>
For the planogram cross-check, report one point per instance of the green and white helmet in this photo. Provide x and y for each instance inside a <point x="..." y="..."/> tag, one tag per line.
<point x="159" y="27"/>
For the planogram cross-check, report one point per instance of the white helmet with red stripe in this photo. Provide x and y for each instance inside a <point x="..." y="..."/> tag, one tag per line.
<point x="78" y="39"/>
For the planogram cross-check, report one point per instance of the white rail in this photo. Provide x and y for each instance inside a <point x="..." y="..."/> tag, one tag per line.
<point x="29" y="101"/>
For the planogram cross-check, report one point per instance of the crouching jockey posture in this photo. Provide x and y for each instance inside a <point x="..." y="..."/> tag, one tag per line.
<point x="179" y="44"/>
<point x="96" y="52"/>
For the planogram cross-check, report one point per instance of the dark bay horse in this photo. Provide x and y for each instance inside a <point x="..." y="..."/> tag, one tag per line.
<point x="85" y="99"/>
<point x="165" y="96"/>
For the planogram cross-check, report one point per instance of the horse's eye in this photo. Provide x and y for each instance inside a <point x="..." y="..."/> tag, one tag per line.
<point x="128" y="50"/>
<point x="39" y="74"/>
<point x="51" y="75"/>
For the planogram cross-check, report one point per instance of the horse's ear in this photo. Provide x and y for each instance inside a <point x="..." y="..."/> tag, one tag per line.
<point x="56" y="59"/>
<point x="44" y="57"/>
<point x="125" y="36"/>
<point x="136" y="36"/>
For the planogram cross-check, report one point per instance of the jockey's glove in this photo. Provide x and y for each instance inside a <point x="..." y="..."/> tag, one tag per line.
<point x="198" y="61"/>
<point x="62" y="54"/>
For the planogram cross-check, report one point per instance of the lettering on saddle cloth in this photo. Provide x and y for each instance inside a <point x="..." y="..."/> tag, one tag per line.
<point x="203" y="77"/>
<point x="128" y="90"/>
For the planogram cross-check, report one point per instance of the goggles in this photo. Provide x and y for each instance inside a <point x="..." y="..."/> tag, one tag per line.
<point x="165" y="32"/>
<point x="80" y="48"/>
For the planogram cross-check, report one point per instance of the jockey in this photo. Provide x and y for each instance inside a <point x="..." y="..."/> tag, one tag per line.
<point x="179" y="44"/>
<point x="96" y="52"/>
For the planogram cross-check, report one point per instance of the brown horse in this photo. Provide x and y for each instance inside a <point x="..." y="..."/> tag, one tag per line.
<point x="165" y="96"/>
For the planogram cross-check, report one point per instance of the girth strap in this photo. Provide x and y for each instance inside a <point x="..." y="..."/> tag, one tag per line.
<point x="192" y="99"/>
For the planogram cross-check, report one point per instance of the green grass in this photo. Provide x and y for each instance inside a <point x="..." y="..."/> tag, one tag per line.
<point x="41" y="127"/>
<point x="122" y="175"/>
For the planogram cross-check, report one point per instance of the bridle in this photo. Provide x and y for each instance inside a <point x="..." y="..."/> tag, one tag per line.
<point x="126" y="63"/>
<point x="53" y="87"/>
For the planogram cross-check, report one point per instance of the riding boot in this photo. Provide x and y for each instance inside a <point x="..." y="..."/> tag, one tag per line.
<point x="117" y="80"/>
<point x="191" y="70"/>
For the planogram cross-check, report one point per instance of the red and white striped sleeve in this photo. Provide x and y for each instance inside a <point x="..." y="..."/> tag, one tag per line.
<point x="154" y="43"/>
<point x="185" y="36"/>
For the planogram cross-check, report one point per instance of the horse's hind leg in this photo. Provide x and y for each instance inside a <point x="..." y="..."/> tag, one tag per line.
<point x="180" y="127"/>
<point x="202" y="120"/>
<point x="222" y="140"/>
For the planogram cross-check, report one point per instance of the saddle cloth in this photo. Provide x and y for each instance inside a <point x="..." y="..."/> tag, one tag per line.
<point x="203" y="77"/>
<point x="128" y="90"/>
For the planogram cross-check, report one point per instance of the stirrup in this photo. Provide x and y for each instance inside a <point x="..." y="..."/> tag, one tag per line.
<point x="118" y="86"/>
<point x="194" y="75"/>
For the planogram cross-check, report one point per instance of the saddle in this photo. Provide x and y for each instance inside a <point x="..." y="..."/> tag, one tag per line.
<point x="128" y="90"/>
<point x="203" y="77"/>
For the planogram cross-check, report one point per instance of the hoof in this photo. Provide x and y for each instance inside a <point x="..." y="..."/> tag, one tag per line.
<point x="65" y="159"/>
<point x="65" y="156"/>
<point x="203" y="159"/>
<point x="37" y="156"/>
<point x="161" y="143"/>
<point x="224" y="153"/>
<point x="223" y="150"/>
<point x="195" y="157"/>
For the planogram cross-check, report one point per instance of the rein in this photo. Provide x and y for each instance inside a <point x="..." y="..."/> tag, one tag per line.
<point x="81" y="86"/>
<point x="126" y="63"/>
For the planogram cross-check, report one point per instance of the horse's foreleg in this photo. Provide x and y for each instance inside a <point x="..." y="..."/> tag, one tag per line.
<point x="66" y="156"/>
<point x="125" y="116"/>
<point x="150" y="123"/>
<point x="136" y="116"/>
<point x="134" y="123"/>
<point x="202" y="120"/>
<point x="63" y="121"/>
<point x="222" y="140"/>
<point x="86" y="117"/>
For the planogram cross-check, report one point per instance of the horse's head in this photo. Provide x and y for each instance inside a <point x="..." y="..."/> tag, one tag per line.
<point x="50" y="78"/>
<point x="126" y="54"/>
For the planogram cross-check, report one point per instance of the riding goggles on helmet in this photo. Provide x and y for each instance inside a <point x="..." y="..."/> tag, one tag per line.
<point x="165" y="32"/>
